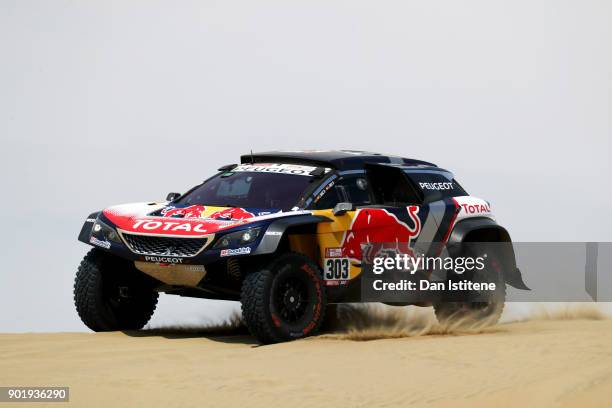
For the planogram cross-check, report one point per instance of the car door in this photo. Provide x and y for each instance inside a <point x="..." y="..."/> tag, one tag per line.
<point x="350" y="187"/>
<point x="395" y="217"/>
<point x="387" y="210"/>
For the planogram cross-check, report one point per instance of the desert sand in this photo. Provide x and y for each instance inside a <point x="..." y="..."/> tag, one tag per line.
<point x="561" y="361"/>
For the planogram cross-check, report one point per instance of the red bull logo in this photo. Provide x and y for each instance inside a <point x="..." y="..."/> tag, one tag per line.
<point x="232" y="214"/>
<point x="198" y="211"/>
<point x="193" y="211"/>
<point x="377" y="225"/>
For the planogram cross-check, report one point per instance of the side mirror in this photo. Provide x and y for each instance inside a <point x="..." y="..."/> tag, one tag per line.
<point x="318" y="172"/>
<point x="172" y="196"/>
<point x="342" y="208"/>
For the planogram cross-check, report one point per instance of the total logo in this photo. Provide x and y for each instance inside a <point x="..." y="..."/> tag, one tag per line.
<point x="475" y="208"/>
<point x="153" y="225"/>
<point x="472" y="207"/>
<point x="163" y="259"/>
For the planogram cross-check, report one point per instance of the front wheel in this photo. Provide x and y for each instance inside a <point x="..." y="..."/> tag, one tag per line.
<point x="109" y="294"/>
<point x="285" y="301"/>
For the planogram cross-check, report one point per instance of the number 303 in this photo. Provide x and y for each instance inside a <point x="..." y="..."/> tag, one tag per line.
<point x="336" y="268"/>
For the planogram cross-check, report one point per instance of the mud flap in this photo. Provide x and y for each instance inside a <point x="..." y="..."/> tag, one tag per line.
<point x="513" y="277"/>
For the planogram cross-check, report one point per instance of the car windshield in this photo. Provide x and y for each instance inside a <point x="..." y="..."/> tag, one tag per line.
<point x="269" y="186"/>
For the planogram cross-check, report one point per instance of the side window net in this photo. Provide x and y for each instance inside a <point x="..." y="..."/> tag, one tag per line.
<point x="353" y="189"/>
<point x="329" y="200"/>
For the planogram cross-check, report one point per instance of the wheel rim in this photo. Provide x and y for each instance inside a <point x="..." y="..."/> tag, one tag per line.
<point x="290" y="299"/>
<point x="118" y="294"/>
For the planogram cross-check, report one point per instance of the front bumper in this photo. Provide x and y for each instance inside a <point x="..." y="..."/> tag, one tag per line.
<point x="164" y="249"/>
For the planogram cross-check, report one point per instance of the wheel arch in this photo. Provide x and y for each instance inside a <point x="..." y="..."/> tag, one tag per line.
<point x="276" y="236"/>
<point x="487" y="230"/>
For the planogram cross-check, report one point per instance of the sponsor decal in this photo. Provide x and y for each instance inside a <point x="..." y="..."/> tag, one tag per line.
<point x="467" y="207"/>
<point x="276" y="168"/>
<point x="100" y="243"/>
<point x="90" y="220"/>
<point x="377" y="225"/>
<point x="324" y="190"/>
<point x="475" y="208"/>
<point x="163" y="259"/>
<point x="200" y="211"/>
<point x="274" y="233"/>
<point x="333" y="252"/>
<point x="194" y="268"/>
<point x="236" y="251"/>
<point x="472" y="207"/>
<point x="137" y="222"/>
<point x="234" y="213"/>
<point x="437" y="186"/>
<point x="172" y="226"/>
<point x="193" y="211"/>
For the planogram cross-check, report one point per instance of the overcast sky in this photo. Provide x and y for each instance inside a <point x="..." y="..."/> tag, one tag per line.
<point x="105" y="102"/>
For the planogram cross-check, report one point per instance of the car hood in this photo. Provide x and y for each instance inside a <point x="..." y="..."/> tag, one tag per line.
<point x="197" y="220"/>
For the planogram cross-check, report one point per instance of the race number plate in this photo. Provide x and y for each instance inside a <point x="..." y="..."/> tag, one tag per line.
<point x="336" y="269"/>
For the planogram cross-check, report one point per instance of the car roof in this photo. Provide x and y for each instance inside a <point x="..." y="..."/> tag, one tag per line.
<point x="337" y="159"/>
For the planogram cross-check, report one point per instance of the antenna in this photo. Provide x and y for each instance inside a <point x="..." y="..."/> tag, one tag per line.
<point x="252" y="159"/>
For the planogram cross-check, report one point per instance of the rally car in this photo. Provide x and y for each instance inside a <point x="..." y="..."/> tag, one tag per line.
<point x="283" y="233"/>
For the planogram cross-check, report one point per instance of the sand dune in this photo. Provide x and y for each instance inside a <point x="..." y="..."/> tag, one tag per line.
<point x="561" y="361"/>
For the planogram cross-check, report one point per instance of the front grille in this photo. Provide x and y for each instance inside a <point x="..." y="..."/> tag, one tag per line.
<point x="166" y="246"/>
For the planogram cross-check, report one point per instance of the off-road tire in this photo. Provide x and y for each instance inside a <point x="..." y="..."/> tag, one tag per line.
<point x="96" y="294"/>
<point x="266" y="309"/>
<point x="469" y="313"/>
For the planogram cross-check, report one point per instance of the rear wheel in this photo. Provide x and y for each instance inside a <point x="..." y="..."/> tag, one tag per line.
<point x="476" y="308"/>
<point x="285" y="301"/>
<point x="109" y="294"/>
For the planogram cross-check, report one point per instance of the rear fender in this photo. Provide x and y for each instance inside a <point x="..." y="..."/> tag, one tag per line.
<point x="487" y="230"/>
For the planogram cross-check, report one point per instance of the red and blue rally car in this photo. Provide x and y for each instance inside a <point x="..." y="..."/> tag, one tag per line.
<point x="283" y="233"/>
